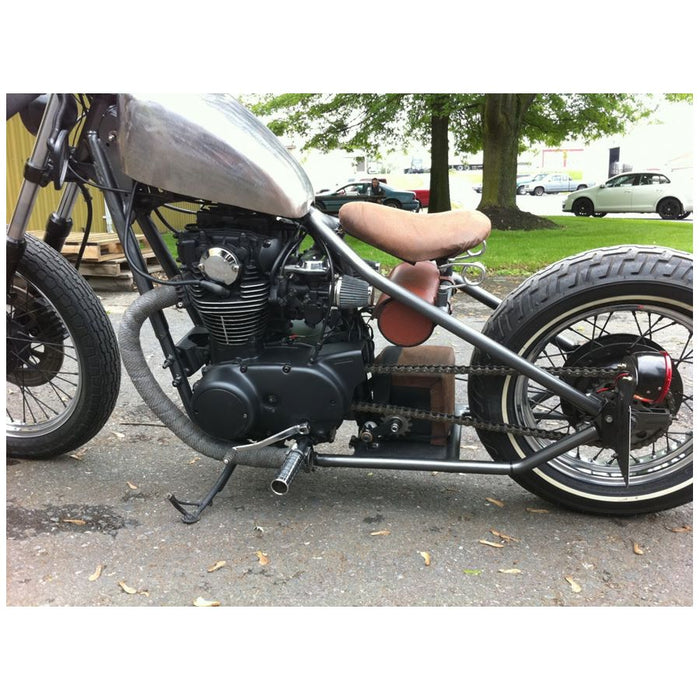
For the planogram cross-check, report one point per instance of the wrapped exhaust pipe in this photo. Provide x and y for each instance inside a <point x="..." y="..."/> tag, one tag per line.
<point x="158" y="401"/>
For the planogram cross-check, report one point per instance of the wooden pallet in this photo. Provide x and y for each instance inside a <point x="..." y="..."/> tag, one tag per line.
<point x="100" y="246"/>
<point x="104" y="264"/>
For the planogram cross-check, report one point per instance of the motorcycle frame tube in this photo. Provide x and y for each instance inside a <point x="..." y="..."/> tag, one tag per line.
<point x="159" y="323"/>
<point x="536" y="459"/>
<point x="316" y="226"/>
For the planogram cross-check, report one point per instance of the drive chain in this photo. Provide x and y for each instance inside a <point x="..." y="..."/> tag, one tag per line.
<point x="467" y="421"/>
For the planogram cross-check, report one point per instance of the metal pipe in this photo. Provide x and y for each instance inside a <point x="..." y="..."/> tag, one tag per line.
<point x="570" y="442"/>
<point x="590" y="405"/>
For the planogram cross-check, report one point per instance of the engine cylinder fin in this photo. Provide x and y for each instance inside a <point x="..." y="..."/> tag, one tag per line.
<point x="241" y="318"/>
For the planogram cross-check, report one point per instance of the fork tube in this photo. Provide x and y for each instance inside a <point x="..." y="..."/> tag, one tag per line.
<point x="60" y="223"/>
<point x="36" y="163"/>
<point x="590" y="405"/>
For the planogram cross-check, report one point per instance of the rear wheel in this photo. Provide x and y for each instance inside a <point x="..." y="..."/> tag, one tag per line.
<point x="63" y="368"/>
<point x="669" y="209"/>
<point x="593" y="310"/>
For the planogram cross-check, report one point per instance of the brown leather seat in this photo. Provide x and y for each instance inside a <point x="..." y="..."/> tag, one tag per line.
<point x="414" y="237"/>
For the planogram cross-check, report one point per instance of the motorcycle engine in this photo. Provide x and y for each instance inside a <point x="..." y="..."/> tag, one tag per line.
<point x="281" y="339"/>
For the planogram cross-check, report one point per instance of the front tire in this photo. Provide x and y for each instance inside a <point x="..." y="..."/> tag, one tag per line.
<point x="605" y="304"/>
<point x="583" y="207"/>
<point x="63" y="369"/>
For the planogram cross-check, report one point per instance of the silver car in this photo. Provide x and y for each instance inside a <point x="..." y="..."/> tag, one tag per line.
<point x="638" y="192"/>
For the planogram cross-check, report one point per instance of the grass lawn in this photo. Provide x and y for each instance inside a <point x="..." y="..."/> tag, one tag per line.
<point x="525" y="252"/>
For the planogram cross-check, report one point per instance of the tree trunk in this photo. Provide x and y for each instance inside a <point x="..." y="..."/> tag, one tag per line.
<point x="502" y="117"/>
<point x="439" y="165"/>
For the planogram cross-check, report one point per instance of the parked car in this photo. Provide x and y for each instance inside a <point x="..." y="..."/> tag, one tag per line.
<point x="331" y="202"/>
<point x="554" y="182"/>
<point x="638" y="192"/>
<point x="423" y="196"/>
<point x="523" y="180"/>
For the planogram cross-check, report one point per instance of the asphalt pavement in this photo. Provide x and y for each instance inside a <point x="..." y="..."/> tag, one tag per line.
<point x="94" y="529"/>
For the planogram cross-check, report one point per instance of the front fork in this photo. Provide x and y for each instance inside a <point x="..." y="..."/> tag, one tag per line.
<point x="36" y="176"/>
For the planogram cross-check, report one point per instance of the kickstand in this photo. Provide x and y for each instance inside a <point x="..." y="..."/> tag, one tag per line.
<point x="190" y="517"/>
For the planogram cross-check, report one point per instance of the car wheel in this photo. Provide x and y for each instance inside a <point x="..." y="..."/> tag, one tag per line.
<point x="669" y="209"/>
<point x="392" y="203"/>
<point x="581" y="187"/>
<point x="538" y="191"/>
<point x="520" y="190"/>
<point x="583" y="207"/>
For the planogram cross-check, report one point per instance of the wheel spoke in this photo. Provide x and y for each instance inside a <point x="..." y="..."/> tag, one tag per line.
<point x="613" y="332"/>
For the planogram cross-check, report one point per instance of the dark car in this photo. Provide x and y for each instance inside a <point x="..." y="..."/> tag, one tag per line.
<point x="331" y="202"/>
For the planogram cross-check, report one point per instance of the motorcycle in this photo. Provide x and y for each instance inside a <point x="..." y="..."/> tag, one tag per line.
<point x="579" y="384"/>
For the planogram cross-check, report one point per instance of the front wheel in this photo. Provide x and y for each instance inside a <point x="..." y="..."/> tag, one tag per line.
<point x="593" y="310"/>
<point x="583" y="207"/>
<point x="63" y="370"/>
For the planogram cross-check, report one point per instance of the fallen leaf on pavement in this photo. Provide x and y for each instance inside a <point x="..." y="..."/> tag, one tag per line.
<point x="426" y="557"/>
<point x="503" y="536"/>
<point x="536" y="510"/>
<point x="473" y="572"/>
<point x="126" y="588"/>
<point x="496" y="502"/>
<point x="74" y="521"/>
<point x="133" y="487"/>
<point x="380" y="532"/>
<point x="682" y="528"/>
<point x="202" y="603"/>
<point x="491" y="544"/>
<point x="574" y="586"/>
<point x="118" y="435"/>
<point x="636" y="548"/>
<point x="262" y="558"/>
<point x="79" y="454"/>
<point x="509" y="571"/>
<point x="216" y="566"/>
<point x="97" y="573"/>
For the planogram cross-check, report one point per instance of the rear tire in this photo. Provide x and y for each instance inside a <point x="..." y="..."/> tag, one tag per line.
<point x="669" y="209"/>
<point x="607" y="303"/>
<point x="63" y="368"/>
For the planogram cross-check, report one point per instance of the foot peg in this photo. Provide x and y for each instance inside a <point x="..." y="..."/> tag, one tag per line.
<point x="296" y="458"/>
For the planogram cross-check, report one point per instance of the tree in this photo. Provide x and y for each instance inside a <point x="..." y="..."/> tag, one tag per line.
<point x="370" y="122"/>
<point x="512" y="121"/>
<point x="500" y="125"/>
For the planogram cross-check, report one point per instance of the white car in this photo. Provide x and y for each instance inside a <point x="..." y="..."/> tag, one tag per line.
<point x="639" y="192"/>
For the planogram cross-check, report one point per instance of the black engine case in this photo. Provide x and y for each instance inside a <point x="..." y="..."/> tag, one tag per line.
<point x="260" y="396"/>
